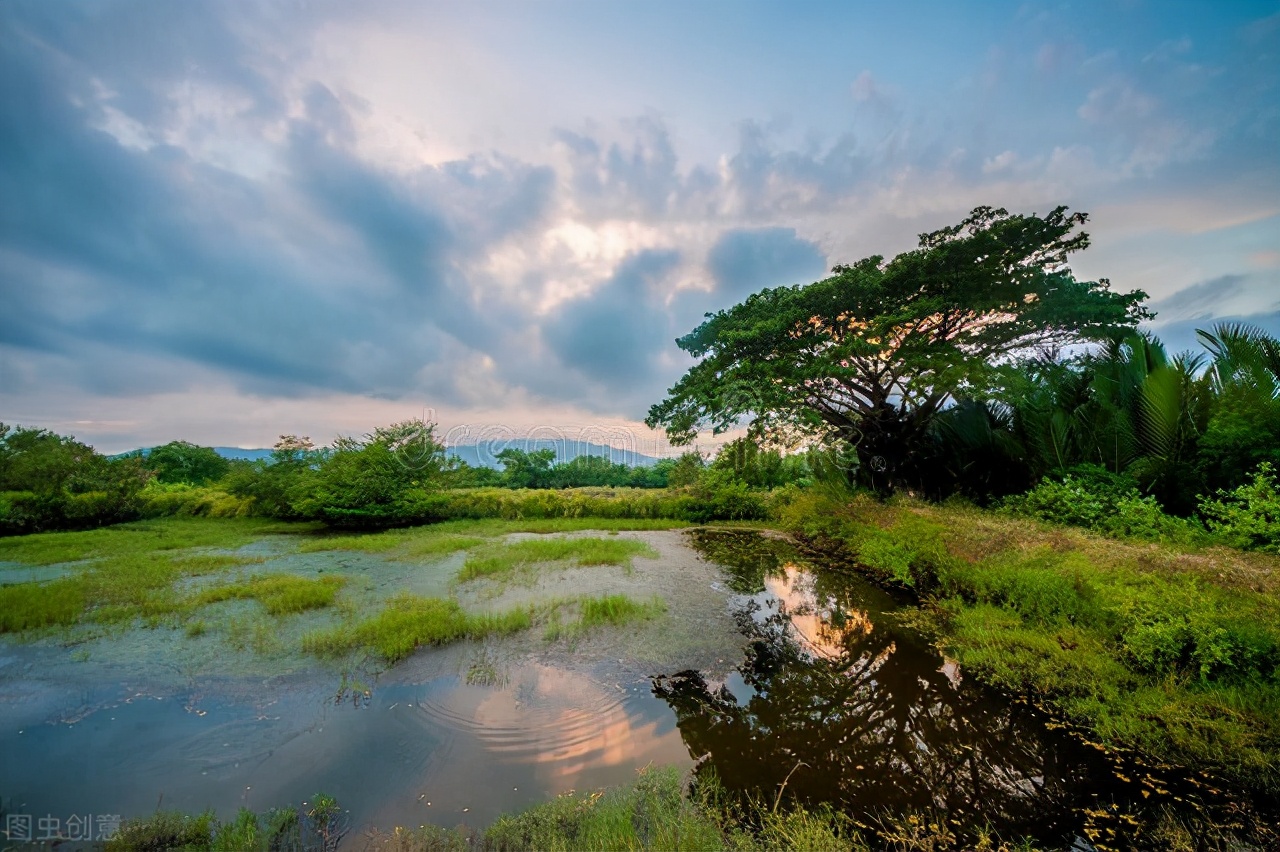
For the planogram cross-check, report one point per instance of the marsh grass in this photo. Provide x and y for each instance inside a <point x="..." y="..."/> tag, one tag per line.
<point x="1166" y="648"/>
<point x="140" y="538"/>
<point x="128" y="572"/>
<point x="610" y="610"/>
<point x="448" y="537"/>
<point x="410" y="622"/>
<point x="279" y="594"/>
<point x="253" y="633"/>
<point x="652" y="814"/>
<point x="503" y="558"/>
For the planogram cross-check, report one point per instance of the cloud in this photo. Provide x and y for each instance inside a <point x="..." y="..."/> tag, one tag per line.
<point x="195" y="197"/>
<point x="1200" y="301"/>
<point x="613" y="335"/>
<point x="744" y="261"/>
<point x="1181" y="336"/>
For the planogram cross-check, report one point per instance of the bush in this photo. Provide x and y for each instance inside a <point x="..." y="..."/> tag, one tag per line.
<point x="1095" y="499"/>
<point x="158" y="500"/>
<point x="1247" y="517"/>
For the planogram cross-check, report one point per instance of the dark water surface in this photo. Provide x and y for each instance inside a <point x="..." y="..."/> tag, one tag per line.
<point x="836" y="703"/>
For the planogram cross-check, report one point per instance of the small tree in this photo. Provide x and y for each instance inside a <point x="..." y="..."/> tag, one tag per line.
<point x="179" y="461"/>
<point x="371" y="481"/>
<point x="521" y="469"/>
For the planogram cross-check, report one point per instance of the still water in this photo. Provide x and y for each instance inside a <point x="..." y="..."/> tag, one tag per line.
<point x="835" y="702"/>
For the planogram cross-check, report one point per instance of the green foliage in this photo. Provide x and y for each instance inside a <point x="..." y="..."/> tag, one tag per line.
<point x="179" y="461"/>
<point x="745" y="462"/>
<point x="502" y="558"/>
<point x="526" y="469"/>
<point x="1093" y="498"/>
<point x="699" y="505"/>
<point x="373" y="482"/>
<point x="872" y="354"/>
<point x="50" y="482"/>
<point x="1248" y="516"/>
<point x="157" y="500"/>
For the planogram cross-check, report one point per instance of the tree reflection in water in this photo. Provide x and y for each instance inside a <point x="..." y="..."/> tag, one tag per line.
<point x="850" y="709"/>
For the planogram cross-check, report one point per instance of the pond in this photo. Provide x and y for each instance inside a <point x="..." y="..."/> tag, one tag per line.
<point x="820" y="695"/>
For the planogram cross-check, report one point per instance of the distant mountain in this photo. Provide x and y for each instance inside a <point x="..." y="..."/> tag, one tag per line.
<point x="484" y="454"/>
<point x="242" y="453"/>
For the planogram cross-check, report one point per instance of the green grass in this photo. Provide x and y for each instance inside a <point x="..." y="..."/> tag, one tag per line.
<point x="651" y="813"/>
<point x="129" y="571"/>
<point x="410" y="622"/>
<point x="452" y="536"/>
<point x="503" y="558"/>
<point x="1162" y="647"/>
<point x="279" y="594"/>
<point x="613" y="610"/>
<point x="142" y="537"/>
<point x="32" y="606"/>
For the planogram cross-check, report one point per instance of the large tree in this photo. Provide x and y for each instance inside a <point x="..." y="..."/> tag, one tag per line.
<point x="871" y="355"/>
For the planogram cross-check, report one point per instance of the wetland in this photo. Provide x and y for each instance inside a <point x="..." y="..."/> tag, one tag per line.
<point x="446" y="675"/>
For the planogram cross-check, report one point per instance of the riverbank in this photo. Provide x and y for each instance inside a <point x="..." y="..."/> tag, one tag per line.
<point x="1170" y="650"/>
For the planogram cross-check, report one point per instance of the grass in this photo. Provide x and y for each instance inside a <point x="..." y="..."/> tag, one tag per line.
<point x="452" y="536"/>
<point x="140" y="538"/>
<point x="410" y="622"/>
<point x="502" y="558"/>
<point x="129" y="571"/>
<point x="278" y="594"/>
<point x="612" y="610"/>
<point x="1169" y="649"/>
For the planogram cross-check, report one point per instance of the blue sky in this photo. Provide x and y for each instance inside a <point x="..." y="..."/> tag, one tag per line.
<point x="221" y="222"/>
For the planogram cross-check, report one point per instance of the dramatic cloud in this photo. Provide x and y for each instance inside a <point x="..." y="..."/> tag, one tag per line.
<point x="283" y="218"/>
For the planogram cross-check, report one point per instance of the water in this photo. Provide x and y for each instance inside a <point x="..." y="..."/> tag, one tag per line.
<point x="443" y="751"/>
<point x="837" y="703"/>
<point x="834" y="702"/>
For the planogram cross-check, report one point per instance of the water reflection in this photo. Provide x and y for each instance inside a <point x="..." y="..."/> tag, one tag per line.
<point x="846" y="707"/>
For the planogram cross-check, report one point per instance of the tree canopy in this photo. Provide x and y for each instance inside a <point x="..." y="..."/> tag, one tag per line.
<point x="873" y="353"/>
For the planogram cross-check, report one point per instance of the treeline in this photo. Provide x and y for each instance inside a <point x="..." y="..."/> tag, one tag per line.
<point x="1174" y="427"/>
<point x="395" y="475"/>
<point x="1126" y="440"/>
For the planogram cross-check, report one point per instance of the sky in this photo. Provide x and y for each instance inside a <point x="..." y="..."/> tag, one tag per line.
<point x="224" y="222"/>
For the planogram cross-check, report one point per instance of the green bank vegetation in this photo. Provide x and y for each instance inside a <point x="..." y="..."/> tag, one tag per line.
<point x="656" y="812"/>
<point x="1169" y="649"/>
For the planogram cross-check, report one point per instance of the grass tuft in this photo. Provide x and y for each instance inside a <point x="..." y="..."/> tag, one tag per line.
<point x="410" y="622"/>
<point x="278" y="594"/>
<point x="503" y="558"/>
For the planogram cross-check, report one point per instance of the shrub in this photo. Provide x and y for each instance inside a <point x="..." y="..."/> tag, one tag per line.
<point x="1247" y="517"/>
<point x="1095" y="499"/>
